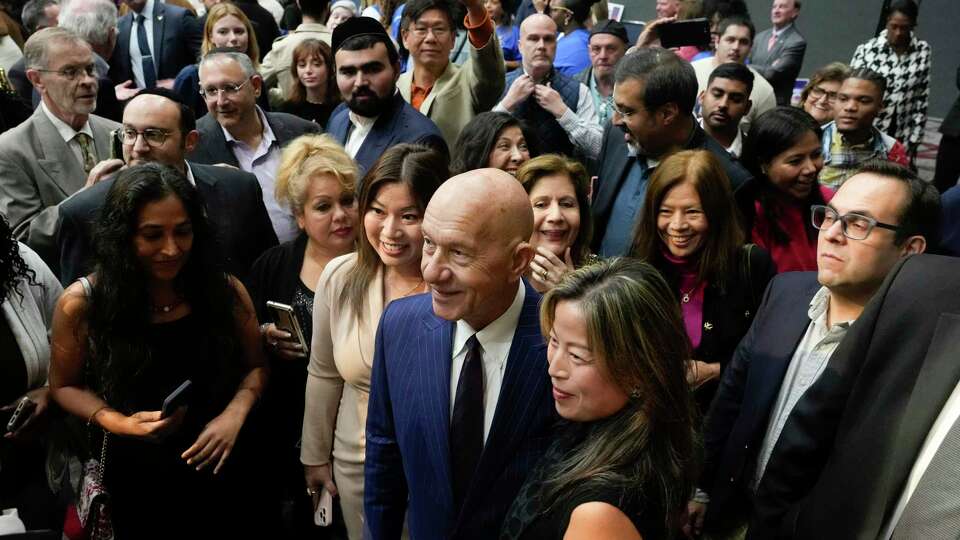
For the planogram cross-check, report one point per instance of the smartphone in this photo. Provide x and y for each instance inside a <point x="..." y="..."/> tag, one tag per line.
<point x="287" y="321"/>
<point x="116" y="144"/>
<point x="23" y="411"/>
<point x="692" y="32"/>
<point x="323" y="515"/>
<point x="176" y="399"/>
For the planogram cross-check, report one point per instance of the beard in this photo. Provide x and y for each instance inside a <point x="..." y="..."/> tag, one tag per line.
<point x="371" y="104"/>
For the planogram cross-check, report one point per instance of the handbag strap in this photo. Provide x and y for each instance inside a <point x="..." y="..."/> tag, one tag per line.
<point x="88" y="291"/>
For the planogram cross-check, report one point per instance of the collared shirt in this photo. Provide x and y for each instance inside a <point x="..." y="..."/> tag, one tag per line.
<point x="841" y="159"/>
<point x="603" y="105"/>
<point x="361" y="128"/>
<point x="776" y="33"/>
<point x="806" y="366"/>
<point x="949" y="415"/>
<point x="190" y="177"/>
<point x="736" y="147"/>
<point x="136" y="59"/>
<point x="626" y="207"/>
<point x="69" y="134"/>
<point x="495" y="339"/>
<point x="264" y="161"/>
<point x="908" y="85"/>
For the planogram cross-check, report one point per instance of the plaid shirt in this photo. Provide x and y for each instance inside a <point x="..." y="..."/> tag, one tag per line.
<point x="908" y="85"/>
<point x="841" y="159"/>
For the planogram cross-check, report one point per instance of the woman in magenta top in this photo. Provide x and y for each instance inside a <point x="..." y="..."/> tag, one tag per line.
<point x="689" y="232"/>
<point x="783" y="152"/>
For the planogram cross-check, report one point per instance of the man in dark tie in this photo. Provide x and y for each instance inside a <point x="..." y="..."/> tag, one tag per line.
<point x="155" y="40"/>
<point x="777" y="52"/>
<point x="46" y="159"/>
<point x="460" y="401"/>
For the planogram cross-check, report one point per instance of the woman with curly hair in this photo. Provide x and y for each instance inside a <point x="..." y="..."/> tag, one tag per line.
<point x="28" y="294"/>
<point x="158" y="311"/>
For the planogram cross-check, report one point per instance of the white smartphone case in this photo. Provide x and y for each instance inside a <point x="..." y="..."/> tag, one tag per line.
<point x="323" y="516"/>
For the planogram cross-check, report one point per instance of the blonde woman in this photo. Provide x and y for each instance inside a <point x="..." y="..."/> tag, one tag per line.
<point x="316" y="182"/>
<point x="226" y="26"/>
<point x="352" y="294"/>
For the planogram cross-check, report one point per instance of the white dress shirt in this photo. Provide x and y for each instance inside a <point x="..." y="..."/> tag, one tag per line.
<point x="938" y="432"/>
<point x="70" y="135"/>
<point x="361" y="128"/>
<point x="136" y="59"/>
<point x="736" y="147"/>
<point x="495" y="339"/>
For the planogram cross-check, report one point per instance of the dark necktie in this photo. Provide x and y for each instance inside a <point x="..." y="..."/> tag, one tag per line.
<point x="466" y="424"/>
<point x="146" y="60"/>
<point x="934" y="508"/>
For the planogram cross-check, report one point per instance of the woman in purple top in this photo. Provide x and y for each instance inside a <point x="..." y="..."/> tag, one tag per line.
<point x="689" y="231"/>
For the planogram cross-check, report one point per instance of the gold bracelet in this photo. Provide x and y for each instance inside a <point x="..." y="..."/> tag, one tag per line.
<point x="95" y="413"/>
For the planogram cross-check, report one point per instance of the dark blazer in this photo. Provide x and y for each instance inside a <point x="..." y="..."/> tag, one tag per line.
<point x="107" y="104"/>
<point x="844" y="455"/>
<point x="409" y="418"/>
<point x="727" y="312"/>
<point x="781" y="64"/>
<point x="615" y="163"/>
<point x="737" y="421"/>
<point x="213" y="147"/>
<point x="400" y="123"/>
<point x="176" y="42"/>
<point x="234" y="205"/>
<point x="951" y="123"/>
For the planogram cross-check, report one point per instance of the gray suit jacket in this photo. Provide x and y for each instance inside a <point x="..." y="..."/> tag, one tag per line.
<point x="781" y="64"/>
<point x="38" y="171"/>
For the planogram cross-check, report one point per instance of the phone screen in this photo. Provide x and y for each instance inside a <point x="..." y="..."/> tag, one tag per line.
<point x="693" y="32"/>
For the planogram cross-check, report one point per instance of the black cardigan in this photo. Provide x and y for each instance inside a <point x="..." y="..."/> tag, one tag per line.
<point x="727" y="313"/>
<point x="275" y="275"/>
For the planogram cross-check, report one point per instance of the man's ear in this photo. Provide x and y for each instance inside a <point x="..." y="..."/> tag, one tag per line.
<point x="522" y="256"/>
<point x="700" y="97"/>
<point x="914" y="246"/>
<point x="257" y="81"/>
<point x="34" y="77"/>
<point x="190" y="141"/>
<point x="669" y="112"/>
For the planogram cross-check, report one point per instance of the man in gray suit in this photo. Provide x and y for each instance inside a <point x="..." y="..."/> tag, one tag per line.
<point x="778" y="52"/>
<point x="46" y="159"/>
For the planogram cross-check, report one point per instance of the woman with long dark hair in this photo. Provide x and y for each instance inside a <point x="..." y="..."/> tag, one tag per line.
<point x="784" y="153"/>
<point x="494" y="139"/>
<point x="623" y="463"/>
<point x="353" y="291"/>
<point x="28" y="295"/>
<point x="158" y="311"/>
<point x="689" y="231"/>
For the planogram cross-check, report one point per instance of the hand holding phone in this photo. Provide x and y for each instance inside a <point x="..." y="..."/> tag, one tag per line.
<point x="20" y="414"/>
<point x="323" y="515"/>
<point x="287" y="322"/>
<point x="178" y="398"/>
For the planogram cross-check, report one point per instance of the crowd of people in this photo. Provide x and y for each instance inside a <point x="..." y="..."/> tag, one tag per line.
<point x="476" y="269"/>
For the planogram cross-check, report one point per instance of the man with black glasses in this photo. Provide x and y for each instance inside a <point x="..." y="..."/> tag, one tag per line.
<point x="46" y="159"/>
<point x="881" y="214"/>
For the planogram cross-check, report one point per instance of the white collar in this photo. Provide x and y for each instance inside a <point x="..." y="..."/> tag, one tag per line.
<point x="65" y="130"/>
<point x="267" y="133"/>
<point x="776" y="33"/>
<point x="190" y="178"/>
<point x="361" y="122"/>
<point x="497" y="337"/>
<point x="736" y="147"/>
<point x="147" y="11"/>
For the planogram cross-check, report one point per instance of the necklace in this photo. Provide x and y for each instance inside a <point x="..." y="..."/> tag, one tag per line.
<point x="415" y="287"/>
<point x="685" y="296"/>
<point x="166" y="308"/>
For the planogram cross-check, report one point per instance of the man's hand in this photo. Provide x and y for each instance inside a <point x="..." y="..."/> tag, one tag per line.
<point x="475" y="10"/>
<point x="518" y="91"/>
<point x="651" y="35"/>
<point x="550" y="100"/>
<point x="125" y="90"/>
<point x="102" y="170"/>
<point x="165" y="83"/>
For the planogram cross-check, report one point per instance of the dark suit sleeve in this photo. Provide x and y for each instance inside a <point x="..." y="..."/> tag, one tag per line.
<point x="729" y="398"/>
<point x="74" y="246"/>
<point x="262" y="235"/>
<point x="385" y="486"/>
<point x="787" y="65"/>
<point x="193" y="38"/>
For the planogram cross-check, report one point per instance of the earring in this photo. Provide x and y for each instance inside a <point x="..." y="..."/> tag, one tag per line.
<point x="635" y="394"/>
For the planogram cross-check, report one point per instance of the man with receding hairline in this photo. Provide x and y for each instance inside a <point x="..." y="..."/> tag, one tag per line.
<point x="460" y="399"/>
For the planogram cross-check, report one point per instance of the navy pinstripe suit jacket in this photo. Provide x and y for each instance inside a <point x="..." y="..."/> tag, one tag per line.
<point x="408" y="450"/>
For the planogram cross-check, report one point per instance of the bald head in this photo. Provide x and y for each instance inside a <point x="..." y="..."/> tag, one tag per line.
<point x="476" y="230"/>
<point x="538" y="45"/>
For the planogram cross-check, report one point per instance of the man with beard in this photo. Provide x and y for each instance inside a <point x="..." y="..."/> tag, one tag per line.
<point x="373" y="116"/>
<point x="653" y="95"/>
<point x="46" y="159"/>
<point x="238" y="133"/>
<point x="724" y="103"/>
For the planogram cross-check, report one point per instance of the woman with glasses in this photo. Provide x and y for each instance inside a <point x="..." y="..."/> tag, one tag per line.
<point x="784" y="153"/>
<point x="315" y="182"/>
<point x="820" y="94"/>
<point x="690" y="232"/>
<point x="352" y="293"/>
<point x="624" y="459"/>
<point x="226" y="27"/>
<point x="494" y="139"/>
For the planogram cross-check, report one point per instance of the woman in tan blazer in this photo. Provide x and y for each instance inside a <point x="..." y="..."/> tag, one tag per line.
<point x="350" y="297"/>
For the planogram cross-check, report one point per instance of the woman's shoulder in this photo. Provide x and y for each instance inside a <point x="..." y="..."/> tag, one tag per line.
<point x="338" y="270"/>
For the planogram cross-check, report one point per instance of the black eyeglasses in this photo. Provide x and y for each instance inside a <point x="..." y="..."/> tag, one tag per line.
<point x="854" y="226"/>
<point x="154" y="136"/>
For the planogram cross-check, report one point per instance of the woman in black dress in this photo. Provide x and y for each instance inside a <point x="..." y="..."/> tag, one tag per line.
<point x="159" y="310"/>
<point x="624" y="461"/>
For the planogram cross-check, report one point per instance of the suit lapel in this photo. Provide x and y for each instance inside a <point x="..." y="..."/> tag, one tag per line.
<point x="58" y="161"/>
<point x="615" y="170"/>
<point x="435" y="398"/>
<point x="438" y="88"/>
<point x="381" y="134"/>
<point x="214" y="143"/>
<point x="159" y="21"/>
